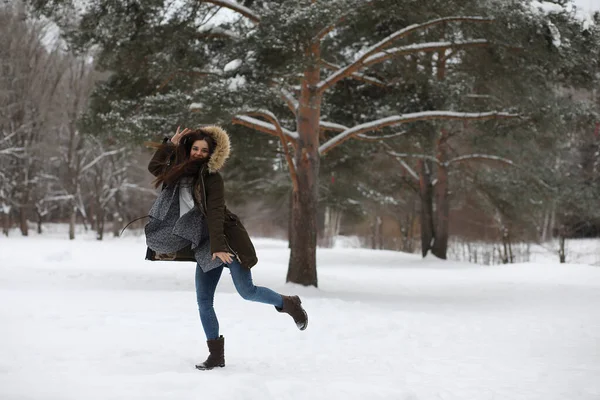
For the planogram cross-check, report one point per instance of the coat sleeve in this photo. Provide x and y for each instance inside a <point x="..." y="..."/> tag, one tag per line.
<point x="215" y="208"/>
<point x="160" y="158"/>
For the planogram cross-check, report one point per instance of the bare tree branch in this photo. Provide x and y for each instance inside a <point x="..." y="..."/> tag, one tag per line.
<point x="405" y="118"/>
<point x="422" y="47"/>
<point x="263" y="126"/>
<point x="369" y="138"/>
<point x="331" y="126"/>
<point x="284" y="143"/>
<point x="232" y="5"/>
<point x="290" y="100"/>
<point x="414" y="155"/>
<point x="356" y="75"/>
<point x="333" y="25"/>
<point x="479" y="157"/>
<point x="380" y="46"/>
<point x="100" y="157"/>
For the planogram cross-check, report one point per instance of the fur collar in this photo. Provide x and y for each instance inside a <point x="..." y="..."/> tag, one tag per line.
<point x="222" y="147"/>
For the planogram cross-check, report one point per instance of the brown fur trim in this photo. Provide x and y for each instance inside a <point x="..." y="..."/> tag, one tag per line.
<point x="222" y="147"/>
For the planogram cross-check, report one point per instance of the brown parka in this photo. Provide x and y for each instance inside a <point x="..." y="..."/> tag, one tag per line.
<point x="226" y="232"/>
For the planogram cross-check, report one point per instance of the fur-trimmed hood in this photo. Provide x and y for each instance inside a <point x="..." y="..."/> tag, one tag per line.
<point x="222" y="147"/>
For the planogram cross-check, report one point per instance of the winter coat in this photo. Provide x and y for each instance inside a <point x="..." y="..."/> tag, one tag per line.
<point x="226" y="232"/>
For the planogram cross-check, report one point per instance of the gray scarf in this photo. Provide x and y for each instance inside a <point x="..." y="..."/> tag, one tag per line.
<point x="167" y="232"/>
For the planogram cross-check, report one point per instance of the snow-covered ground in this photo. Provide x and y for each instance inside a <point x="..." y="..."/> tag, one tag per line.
<point x="92" y="320"/>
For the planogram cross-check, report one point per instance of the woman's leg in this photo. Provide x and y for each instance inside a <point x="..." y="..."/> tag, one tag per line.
<point x="242" y="280"/>
<point x="206" y="284"/>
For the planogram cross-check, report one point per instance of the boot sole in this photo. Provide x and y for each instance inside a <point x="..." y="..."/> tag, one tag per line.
<point x="202" y="368"/>
<point x="303" y="327"/>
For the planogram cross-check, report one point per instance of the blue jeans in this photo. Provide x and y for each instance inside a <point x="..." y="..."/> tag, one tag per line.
<point x="206" y="284"/>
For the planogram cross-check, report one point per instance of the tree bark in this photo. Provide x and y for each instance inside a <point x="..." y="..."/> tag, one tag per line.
<point x="426" y="194"/>
<point x="376" y="232"/>
<point x="440" y="244"/>
<point x="5" y="223"/>
<point x="72" y="219"/>
<point x="100" y="224"/>
<point x="23" y="221"/>
<point x="302" y="268"/>
<point x="39" y="223"/>
<point x="562" y="254"/>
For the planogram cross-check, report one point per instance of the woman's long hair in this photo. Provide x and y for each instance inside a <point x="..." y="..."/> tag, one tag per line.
<point x="183" y="165"/>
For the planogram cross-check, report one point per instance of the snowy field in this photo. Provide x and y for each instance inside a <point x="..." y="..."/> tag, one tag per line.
<point x="92" y="320"/>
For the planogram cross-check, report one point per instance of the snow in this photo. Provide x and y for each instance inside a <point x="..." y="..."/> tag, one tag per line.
<point x="233" y="65"/>
<point x="547" y="7"/>
<point x="556" y="38"/>
<point x="236" y="83"/>
<point x="400" y="119"/>
<point x="268" y="126"/>
<point x="88" y="319"/>
<point x="411" y="48"/>
<point x="234" y="6"/>
<point x="582" y="11"/>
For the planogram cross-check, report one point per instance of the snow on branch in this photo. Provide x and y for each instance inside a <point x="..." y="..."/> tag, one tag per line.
<point x="216" y="31"/>
<point x="413" y="155"/>
<point x="58" y="198"/>
<point x="100" y="157"/>
<point x="284" y="143"/>
<point x="13" y="151"/>
<point x="290" y="100"/>
<point x="479" y="157"/>
<point x="232" y="5"/>
<point x="408" y="169"/>
<point x="356" y="75"/>
<point x="381" y="45"/>
<point x="370" y="138"/>
<point x="487" y="157"/>
<point x="402" y="163"/>
<point x="421" y="47"/>
<point x="332" y="126"/>
<point x="406" y="118"/>
<point x="412" y="28"/>
<point x="263" y="126"/>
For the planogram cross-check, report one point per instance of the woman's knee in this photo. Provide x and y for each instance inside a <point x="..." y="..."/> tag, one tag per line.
<point x="245" y="289"/>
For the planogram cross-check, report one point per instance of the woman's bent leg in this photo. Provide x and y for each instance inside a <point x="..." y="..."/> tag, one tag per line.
<point x="242" y="280"/>
<point x="206" y="284"/>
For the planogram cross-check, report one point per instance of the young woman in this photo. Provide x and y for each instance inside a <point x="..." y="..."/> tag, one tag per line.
<point x="190" y="222"/>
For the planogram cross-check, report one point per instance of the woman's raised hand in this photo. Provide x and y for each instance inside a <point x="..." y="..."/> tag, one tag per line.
<point x="178" y="135"/>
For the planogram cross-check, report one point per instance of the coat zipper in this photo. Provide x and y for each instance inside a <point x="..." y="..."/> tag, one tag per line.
<point x="206" y="213"/>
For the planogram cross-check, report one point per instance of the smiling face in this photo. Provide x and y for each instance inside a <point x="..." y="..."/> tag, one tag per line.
<point x="199" y="150"/>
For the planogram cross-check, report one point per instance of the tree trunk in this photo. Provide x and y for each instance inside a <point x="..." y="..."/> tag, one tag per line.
<point x="72" y="219"/>
<point x="302" y="268"/>
<point x="23" y="221"/>
<point x="6" y="222"/>
<point x="100" y="224"/>
<point x="39" y="223"/>
<point x="440" y="245"/>
<point x="426" y="194"/>
<point x="290" y="221"/>
<point x="117" y="224"/>
<point x="562" y="254"/>
<point x="331" y="228"/>
<point x="376" y="232"/>
<point x="505" y="245"/>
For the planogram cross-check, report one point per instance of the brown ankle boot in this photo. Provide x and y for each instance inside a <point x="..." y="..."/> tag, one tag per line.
<point x="292" y="305"/>
<point x="216" y="356"/>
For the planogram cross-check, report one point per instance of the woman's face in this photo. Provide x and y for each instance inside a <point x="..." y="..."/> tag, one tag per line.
<point x="199" y="150"/>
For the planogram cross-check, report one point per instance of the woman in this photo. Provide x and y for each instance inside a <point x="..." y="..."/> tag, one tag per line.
<point x="190" y="222"/>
